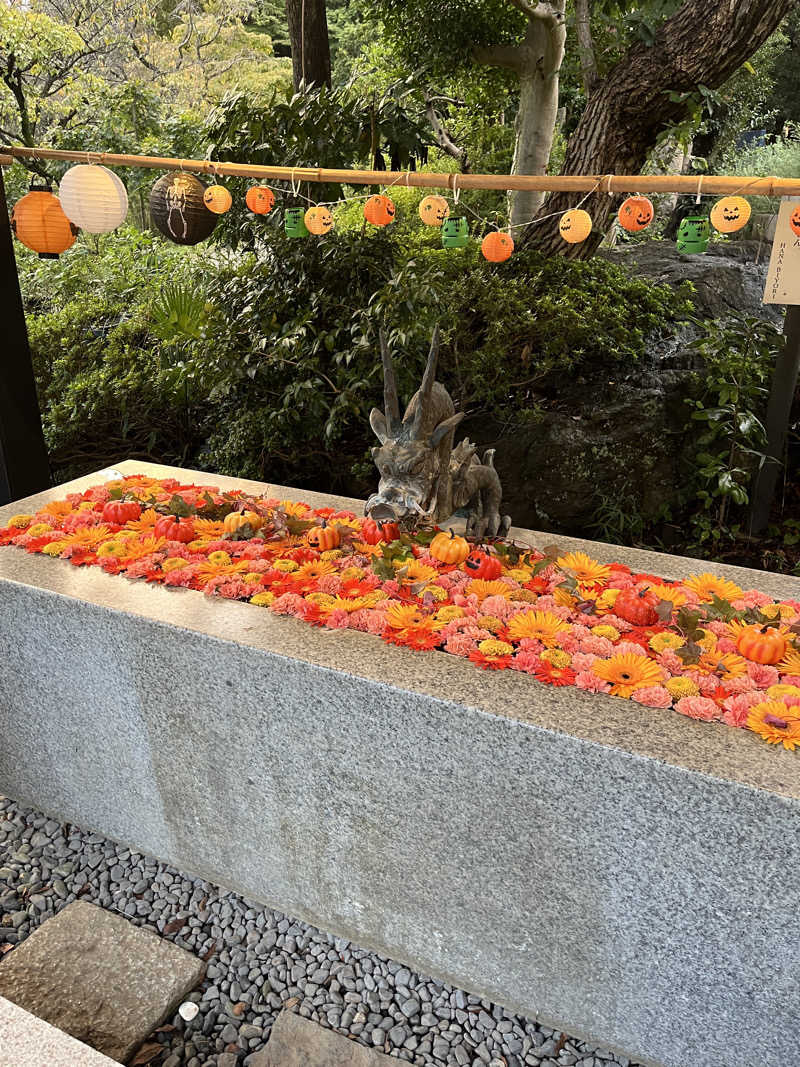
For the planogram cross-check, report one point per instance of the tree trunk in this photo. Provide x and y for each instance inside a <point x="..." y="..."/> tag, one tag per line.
<point x="702" y="44"/>
<point x="308" y="33"/>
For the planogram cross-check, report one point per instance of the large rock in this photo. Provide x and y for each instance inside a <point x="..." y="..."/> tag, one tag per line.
<point x="99" y="978"/>
<point x="297" y="1042"/>
<point x="27" y="1041"/>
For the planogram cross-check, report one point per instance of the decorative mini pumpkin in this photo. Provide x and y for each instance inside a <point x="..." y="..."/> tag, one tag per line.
<point x="178" y="211"/>
<point x="794" y="220"/>
<point x="636" y="213"/>
<point x="761" y="644"/>
<point x="693" y="235"/>
<point x="455" y="232"/>
<point x="174" y="529"/>
<point x="637" y="606"/>
<point x="217" y="199"/>
<point x="730" y="214"/>
<point x="260" y="199"/>
<point x="118" y="512"/>
<point x="448" y="548"/>
<point x="575" y="225"/>
<point x="293" y="224"/>
<point x="497" y="247"/>
<point x="39" y="222"/>
<point x="93" y="198"/>
<point x="379" y="210"/>
<point x="433" y="210"/>
<point x="235" y="520"/>
<point x="323" y="537"/>
<point x="318" y="220"/>
<point x="481" y="564"/>
<point x="372" y="533"/>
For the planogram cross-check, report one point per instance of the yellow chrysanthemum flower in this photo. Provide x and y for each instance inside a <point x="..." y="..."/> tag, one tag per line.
<point x="493" y="648"/>
<point x="253" y="576"/>
<point x="585" y="569"/>
<point x="557" y="656"/>
<point x="490" y="622"/>
<point x="173" y="563"/>
<point x="672" y="593"/>
<point x="446" y="614"/>
<point x="55" y="548"/>
<point x="85" y="505"/>
<point x="263" y="600"/>
<point x="662" y="641"/>
<point x="418" y="572"/>
<point x="322" y="600"/>
<point x="114" y="547"/>
<point x="778" y="691"/>
<point x="605" y="601"/>
<point x="19" y="522"/>
<point x="773" y="611"/>
<point x="435" y="591"/>
<point x="39" y="528"/>
<point x="603" y="630"/>
<point x="519" y="574"/>
<point x="681" y="687"/>
<point x="627" y="672"/>
<point x="352" y="573"/>
<point x="481" y="588"/>
<point x="539" y="625"/>
<point x="288" y="566"/>
<point x="708" y="641"/>
<point x="706" y="586"/>
<point x="331" y="553"/>
<point x="776" y="723"/>
<point x="219" y="558"/>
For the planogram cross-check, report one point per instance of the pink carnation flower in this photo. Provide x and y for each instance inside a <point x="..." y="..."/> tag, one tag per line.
<point x="499" y="607"/>
<point x="652" y="696"/>
<point x="597" y="646"/>
<point x="614" y="620"/>
<point x="753" y="599"/>
<point x="716" y="627"/>
<point x="762" y="675"/>
<point x="460" y="645"/>
<point x="338" y="620"/>
<point x="725" y="645"/>
<point x="621" y="581"/>
<point x="329" y="583"/>
<point x="737" y="708"/>
<point x="568" y="641"/>
<point x="582" y="661"/>
<point x="706" y="683"/>
<point x="530" y="644"/>
<point x="791" y="679"/>
<point x="670" y="662"/>
<point x="698" y="708"/>
<point x="288" y="604"/>
<point x="590" y="682"/>
<point x="526" y="661"/>
<point x="629" y="646"/>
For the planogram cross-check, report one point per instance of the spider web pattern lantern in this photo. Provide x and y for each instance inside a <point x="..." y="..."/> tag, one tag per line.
<point x="177" y="209"/>
<point x="93" y="198"/>
<point x="39" y="222"/>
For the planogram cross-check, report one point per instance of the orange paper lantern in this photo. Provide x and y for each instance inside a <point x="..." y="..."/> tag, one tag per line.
<point x="379" y="210"/>
<point x="318" y="220"/>
<point x="636" y="214"/>
<point x="217" y="199"/>
<point x="575" y="225"/>
<point x="260" y="199"/>
<point x="730" y="214"/>
<point x="794" y="220"/>
<point x="39" y="222"/>
<point x="433" y="210"/>
<point x="497" y="247"/>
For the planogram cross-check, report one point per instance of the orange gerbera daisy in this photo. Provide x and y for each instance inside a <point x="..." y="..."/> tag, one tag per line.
<point x="587" y="570"/>
<point x="295" y="508"/>
<point x="56" y="508"/>
<point x="706" y="586"/>
<point x="420" y="572"/>
<point x="563" y="598"/>
<point x="86" y="538"/>
<point x="672" y="593"/>
<point x="364" y="549"/>
<point x="776" y="723"/>
<point x="208" y="570"/>
<point x="309" y="574"/>
<point x="139" y="549"/>
<point x="405" y="616"/>
<point x="145" y="522"/>
<point x="790" y="664"/>
<point x="627" y="672"/>
<point x="481" y="588"/>
<point x="209" y="528"/>
<point x="725" y="666"/>
<point x="543" y="626"/>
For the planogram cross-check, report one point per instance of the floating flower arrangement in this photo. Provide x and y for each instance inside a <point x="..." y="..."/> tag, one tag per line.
<point x="702" y="646"/>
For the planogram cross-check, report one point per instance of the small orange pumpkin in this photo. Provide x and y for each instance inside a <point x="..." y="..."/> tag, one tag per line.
<point x="323" y="537"/>
<point x="762" y="644"/>
<point x="482" y="564"/>
<point x="259" y="199"/>
<point x="379" y="210"/>
<point x="497" y="246"/>
<point x="235" y="520"/>
<point x="448" y="548"/>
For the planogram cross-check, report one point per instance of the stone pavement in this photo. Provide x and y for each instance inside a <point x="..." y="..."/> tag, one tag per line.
<point x="26" y="1041"/>
<point x="99" y="978"/>
<point x="296" y="1042"/>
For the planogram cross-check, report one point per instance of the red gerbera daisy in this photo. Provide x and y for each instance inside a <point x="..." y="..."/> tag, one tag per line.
<point x="551" y="675"/>
<point x="489" y="663"/>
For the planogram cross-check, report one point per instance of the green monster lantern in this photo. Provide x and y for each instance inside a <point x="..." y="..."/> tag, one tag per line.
<point x="455" y="232"/>
<point x="293" y="222"/>
<point x="693" y="235"/>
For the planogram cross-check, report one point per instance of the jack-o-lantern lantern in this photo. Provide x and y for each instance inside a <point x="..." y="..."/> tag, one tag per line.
<point x="379" y="210"/>
<point x="217" y="199"/>
<point x="39" y="222"/>
<point x="259" y="199"/>
<point x="318" y="220"/>
<point x="178" y="210"/>
<point x="497" y="247"/>
<point x="730" y="214"/>
<point x="761" y="644"/>
<point x="293" y="223"/>
<point x="481" y="564"/>
<point x="693" y="234"/>
<point x="433" y="210"/>
<point x="636" y="214"/>
<point x="575" y="225"/>
<point x="794" y="220"/>
<point x="455" y="232"/>
<point x="323" y="537"/>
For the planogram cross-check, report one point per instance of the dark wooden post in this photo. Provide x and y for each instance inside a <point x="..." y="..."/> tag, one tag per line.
<point x="24" y="468"/>
<point x="781" y="396"/>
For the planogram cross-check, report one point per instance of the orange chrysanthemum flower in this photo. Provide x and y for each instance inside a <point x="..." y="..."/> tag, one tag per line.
<point x="481" y="588"/>
<point x="776" y="723"/>
<point x="404" y="616"/>
<point x="706" y="586"/>
<point x="627" y="672"/>
<point x="543" y="626"/>
<point x="145" y="523"/>
<point x="790" y="664"/>
<point x="588" y="571"/>
<point x="672" y="593"/>
<point x="724" y="666"/>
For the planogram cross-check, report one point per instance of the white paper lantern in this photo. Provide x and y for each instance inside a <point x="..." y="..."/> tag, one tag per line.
<point x="93" y="198"/>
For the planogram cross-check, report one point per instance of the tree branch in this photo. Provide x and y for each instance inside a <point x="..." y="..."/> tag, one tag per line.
<point x="511" y="56"/>
<point x="583" y="32"/>
<point x="443" y="138"/>
<point x="548" y="12"/>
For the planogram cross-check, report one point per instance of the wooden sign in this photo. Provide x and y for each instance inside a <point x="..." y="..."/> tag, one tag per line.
<point x="783" y="276"/>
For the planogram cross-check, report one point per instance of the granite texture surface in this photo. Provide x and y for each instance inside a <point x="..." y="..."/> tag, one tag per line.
<point x="604" y="867"/>
<point x="27" y="1041"/>
<point x="298" y="1042"/>
<point x="99" y="978"/>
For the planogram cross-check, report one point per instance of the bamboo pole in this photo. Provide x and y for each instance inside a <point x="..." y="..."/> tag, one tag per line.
<point x="568" y="183"/>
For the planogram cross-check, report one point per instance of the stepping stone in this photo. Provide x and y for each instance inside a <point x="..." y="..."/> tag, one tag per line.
<point x="27" y="1041"/>
<point x="298" y="1042"/>
<point x="96" y="976"/>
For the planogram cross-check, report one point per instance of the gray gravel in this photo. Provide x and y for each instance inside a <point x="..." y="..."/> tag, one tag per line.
<point x="260" y="961"/>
